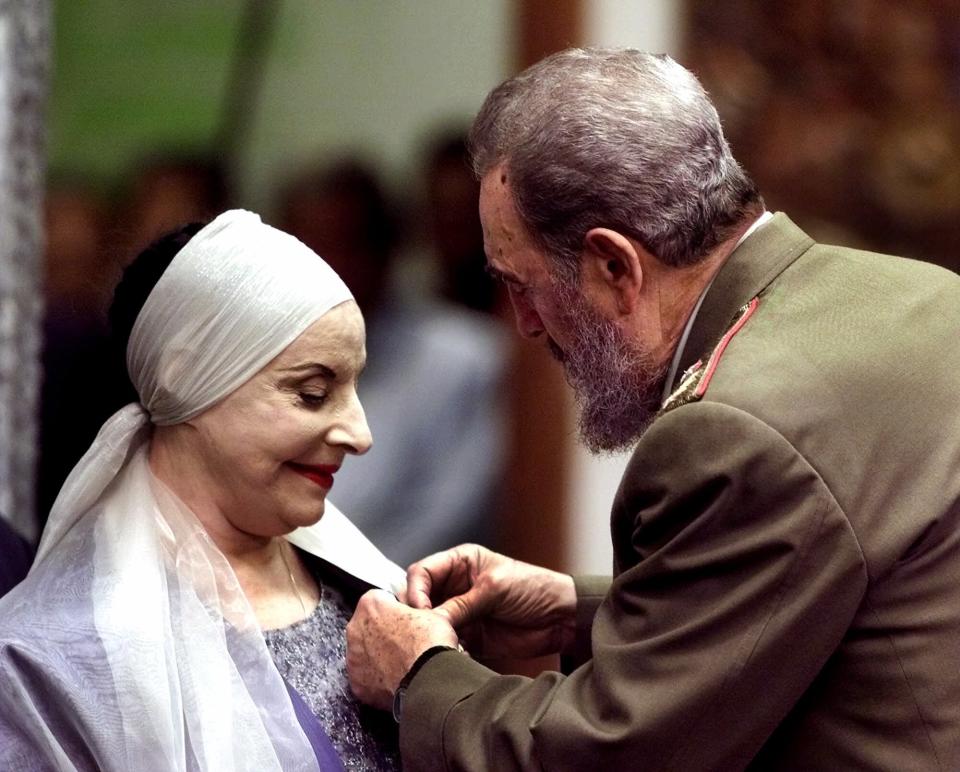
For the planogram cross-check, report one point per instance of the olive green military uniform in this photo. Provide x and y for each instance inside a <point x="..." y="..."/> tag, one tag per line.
<point x="786" y="590"/>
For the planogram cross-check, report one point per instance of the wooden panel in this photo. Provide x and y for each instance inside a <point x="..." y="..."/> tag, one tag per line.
<point x="533" y="517"/>
<point x="547" y="26"/>
<point x="533" y="512"/>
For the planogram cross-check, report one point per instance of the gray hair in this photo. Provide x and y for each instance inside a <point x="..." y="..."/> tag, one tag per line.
<point x="614" y="138"/>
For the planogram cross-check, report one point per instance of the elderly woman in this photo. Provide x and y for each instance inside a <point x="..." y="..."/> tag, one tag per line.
<point x="187" y="605"/>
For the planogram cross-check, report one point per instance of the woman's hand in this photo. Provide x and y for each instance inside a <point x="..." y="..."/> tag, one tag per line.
<point x="501" y="607"/>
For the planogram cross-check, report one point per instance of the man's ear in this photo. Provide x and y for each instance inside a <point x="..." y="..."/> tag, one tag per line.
<point x="613" y="261"/>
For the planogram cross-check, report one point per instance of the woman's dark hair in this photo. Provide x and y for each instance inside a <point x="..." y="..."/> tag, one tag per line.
<point x="138" y="280"/>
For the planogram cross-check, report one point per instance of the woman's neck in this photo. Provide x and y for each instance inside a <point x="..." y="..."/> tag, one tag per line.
<point x="174" y="462"/>
<point x="277" y="584"/>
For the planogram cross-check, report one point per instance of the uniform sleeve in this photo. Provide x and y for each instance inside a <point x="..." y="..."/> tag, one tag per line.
<point x="591" y="590"/>
<point x="738" y="575"/>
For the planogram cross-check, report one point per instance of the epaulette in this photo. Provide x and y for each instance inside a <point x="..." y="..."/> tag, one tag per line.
<point x="696" y="379"/>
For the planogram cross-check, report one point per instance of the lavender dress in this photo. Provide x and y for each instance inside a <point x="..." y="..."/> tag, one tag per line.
<point x="311" y="657"/>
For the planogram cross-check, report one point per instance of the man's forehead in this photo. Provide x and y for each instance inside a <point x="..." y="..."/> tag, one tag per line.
<point x="519" y="264"/>
<point x="496" y="195"/>
<point x="502" y="230"/>
<point x="502" y="255"/>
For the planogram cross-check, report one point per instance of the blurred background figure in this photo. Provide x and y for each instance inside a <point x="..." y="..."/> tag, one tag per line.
<point x="432" y="389"/>
<point x="169" y="190"/>
<point x="456" y="238"/>
<point x="82" y="382"/>
<point x="341" y="212"/>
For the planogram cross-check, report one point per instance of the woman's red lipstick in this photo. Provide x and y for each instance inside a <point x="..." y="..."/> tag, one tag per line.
<point x="321" y="474"/>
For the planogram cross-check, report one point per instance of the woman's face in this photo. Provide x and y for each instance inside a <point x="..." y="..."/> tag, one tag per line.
<point x="269" y="451"/>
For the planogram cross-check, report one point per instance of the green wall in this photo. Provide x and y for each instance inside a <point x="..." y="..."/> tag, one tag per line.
<point x="131" y="76"/>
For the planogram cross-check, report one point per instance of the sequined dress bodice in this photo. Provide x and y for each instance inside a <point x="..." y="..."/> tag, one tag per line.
<point x="311" y="656"/>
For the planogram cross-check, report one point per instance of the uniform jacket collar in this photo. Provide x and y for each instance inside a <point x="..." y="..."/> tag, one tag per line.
<point x="747" y="272"/>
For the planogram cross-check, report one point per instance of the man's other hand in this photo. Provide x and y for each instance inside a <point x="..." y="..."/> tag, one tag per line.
<point x="500" y="606"/>
<point x="384" y="639"/>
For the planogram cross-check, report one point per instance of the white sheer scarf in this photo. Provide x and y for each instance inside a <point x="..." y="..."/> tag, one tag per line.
<point x="131" y="645"/>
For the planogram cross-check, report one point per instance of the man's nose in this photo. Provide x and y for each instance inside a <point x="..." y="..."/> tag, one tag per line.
<point x="529" y="323"/>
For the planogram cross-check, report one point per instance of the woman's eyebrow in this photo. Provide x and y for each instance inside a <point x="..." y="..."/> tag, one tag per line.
<point x="309" y="366"/>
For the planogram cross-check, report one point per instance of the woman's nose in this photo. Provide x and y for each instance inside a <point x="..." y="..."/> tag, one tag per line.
<point x="352" y="431"/>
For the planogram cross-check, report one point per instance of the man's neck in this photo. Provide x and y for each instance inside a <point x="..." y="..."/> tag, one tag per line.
<point x="680" y="289"/>
<point x="723" y="253"/>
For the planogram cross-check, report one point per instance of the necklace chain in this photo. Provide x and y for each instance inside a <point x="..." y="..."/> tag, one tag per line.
<point x="293" y="581"/>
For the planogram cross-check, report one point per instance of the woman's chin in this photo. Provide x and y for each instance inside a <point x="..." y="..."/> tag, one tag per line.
<point x="304" y="518"/>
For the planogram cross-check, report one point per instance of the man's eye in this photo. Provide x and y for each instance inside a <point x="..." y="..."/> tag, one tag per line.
<point x="494" y="274"/>
<point x="312" y="399"/>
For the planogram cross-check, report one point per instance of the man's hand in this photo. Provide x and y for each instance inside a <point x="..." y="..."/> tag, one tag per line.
<point x="502" y="607"/>
<point x="384" y="639"/>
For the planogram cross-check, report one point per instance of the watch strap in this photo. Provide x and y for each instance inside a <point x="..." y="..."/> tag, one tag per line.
<point x="419" y="662"/>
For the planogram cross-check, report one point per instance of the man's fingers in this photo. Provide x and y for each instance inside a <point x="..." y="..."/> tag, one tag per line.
<point x="419" y="585"/>
<point x="425" y="577"/>
<point x="444" y="575"/>
<point x="463" y="609"/>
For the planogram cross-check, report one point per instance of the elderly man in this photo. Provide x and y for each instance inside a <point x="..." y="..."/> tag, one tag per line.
<point x="786" y="584"/>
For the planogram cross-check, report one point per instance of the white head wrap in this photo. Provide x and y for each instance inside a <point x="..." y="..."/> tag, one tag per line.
<point x="179" y="676"/>
<point x="232" y="299"/>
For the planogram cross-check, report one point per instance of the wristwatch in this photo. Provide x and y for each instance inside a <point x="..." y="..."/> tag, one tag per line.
<point x="419" y="662"/>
